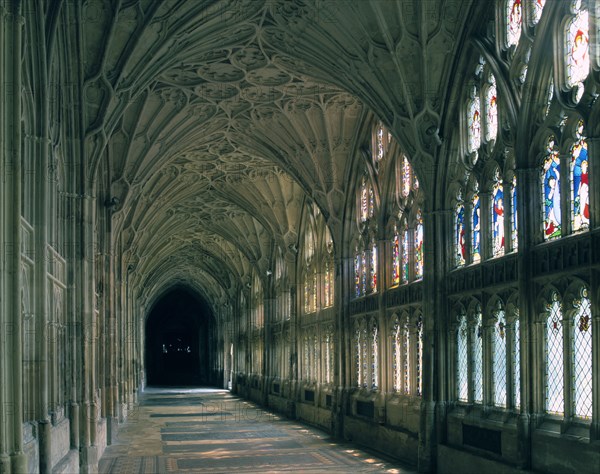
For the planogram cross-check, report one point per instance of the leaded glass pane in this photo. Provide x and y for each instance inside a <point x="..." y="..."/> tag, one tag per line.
<point x="419" y="356"/>
<point x="477" y="341"/>
<point x="554" y="358"/>
<point x="397" y="356"/>
<point x="582" y="356"/>
<point x="514" y="221"/>
<point x="374" y="358"/>
<point x="499" y="359"/>
<point x="373" y="281"/>
<point x="357" y="275"/>
<point x="517" y="363"/>
<point x="396" y="259"/>
<point x="580" y="190"/>
<point x="474" y="123"/>
<point x="358" y="361"/>
<point x="306" y="358"/>
<point x="491" y="109"/>
<point x="406" y="355"/>
<point x="498" y="216"/>
<point x="513" y="22"/>
<point x="405" y="177"/>
<point x="328" y="358"/>
<point x="364" y="357"/>
<point x="476" y="229"/>
<point x="364" y="201"/>
<point x="462" y="381"/>
<point x="371" y="201"/>
<point x="363" y="272"/>
<point x="459" y="235"/>
<point x="551" y="192"/>
<point x="419" y="247"/>
<point x="536" y="7"/>
<point x="577" y="49"/>
<point x="405" y="255"/>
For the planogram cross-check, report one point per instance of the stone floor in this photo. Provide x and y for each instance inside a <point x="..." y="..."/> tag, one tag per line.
<point x="209" y="431"/>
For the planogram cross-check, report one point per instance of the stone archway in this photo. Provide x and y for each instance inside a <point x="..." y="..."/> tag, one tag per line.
<point x="178" y="349"/>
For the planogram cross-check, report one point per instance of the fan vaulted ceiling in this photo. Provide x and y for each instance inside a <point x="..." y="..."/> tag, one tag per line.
<point x="216" y="119"/>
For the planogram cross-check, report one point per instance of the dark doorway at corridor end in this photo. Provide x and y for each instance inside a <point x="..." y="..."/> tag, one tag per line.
<point x="178" y="348"/>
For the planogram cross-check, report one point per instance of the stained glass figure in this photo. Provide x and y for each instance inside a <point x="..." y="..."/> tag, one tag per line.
<point x="514" y="221"/>
<point x="536" y="7"/>
<point x="551" y="192"/>
<point x="513" y="22"/>
<point x="580" y="190"/>
<point x="474" y="122"/>
<point x="374" y="357"/>
<point x="405" y="255"/>
<point x="476" y="229"/>
<point x="498" y="216"/>
<point x="499" y="359"/>
<point x="517" y="362"/>
<point x="406" y="355"/>
<point x="554" y="358"/>
<point x="419" y="247"/>
<point x="462" y="380"/>
<point x="419" y="355"/>
<point x="373" y="268"/>
<point x="406" y="172"/>
<point x="577" y="49"/>
<point x="459" y="234"/>
<point x="396" y="258"/>
<point x="582" y="356"/>
<point x="477" y="360"/>
<point x="491" y="106"/>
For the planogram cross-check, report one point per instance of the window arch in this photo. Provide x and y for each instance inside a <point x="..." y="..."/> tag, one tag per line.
<point x="499" y="356"/>
<point x="554" y="356"/>
<point x="477" y="355"/>
<point x="582" y="355"/>
<point x="462" y="358"/>
<point x="365" y="244"/>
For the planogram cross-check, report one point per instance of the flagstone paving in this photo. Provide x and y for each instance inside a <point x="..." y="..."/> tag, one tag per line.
<point x="204" y="430"/>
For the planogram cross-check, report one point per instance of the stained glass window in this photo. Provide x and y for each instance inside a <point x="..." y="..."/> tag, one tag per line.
<point x="374" y="357"/>
<point x="551" y="192"/>
<point x="419" y="247"/>
<point x="474" y="123"/>
<point x="536" y="7"/>
<point x="582" y="356"/>
<point x="459" y="234"/>
<point x="396" y="258"/>
<point x="306" y="358"/>
<point x="491" y="106"/>
<point x="514" y="221"/>
<point x="405" y="255"/>
<point x="419" y="355"/>
<point x="371" y="201"/>
<point x="462" y="381"/>
<point x="406" y="355"/>
<point x="554" y="358"/>
<point x="498" y="216"/>
<point x="513" y="22"/>
<point x="578" y="58"/>
<point x="499" y="359"/>
<point x="476" y="228"/>
<point x="517" y="362"/>
<point x="373" y="268"/>
<point x="358" y="361"/>
<point x="580" y="191"/>
<point x="364" y="201"/>
<point x="328" y="281"/>
<point x="406" y="172"/>
<point x="397" y="356"/>
<point x="477" y="361"/>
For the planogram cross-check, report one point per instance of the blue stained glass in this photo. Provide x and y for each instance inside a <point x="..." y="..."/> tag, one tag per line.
<point x="396" y="260"/>
<point x="551" y="189"/>
<point x="515" y="240"/>
<point x="476" y="229"/>
<point x="405" y="256"/>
